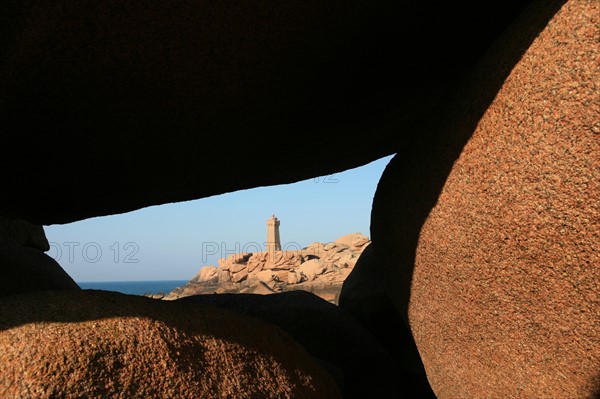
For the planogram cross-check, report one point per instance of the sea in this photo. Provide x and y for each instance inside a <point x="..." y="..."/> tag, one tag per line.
<point x="134" y="287"/>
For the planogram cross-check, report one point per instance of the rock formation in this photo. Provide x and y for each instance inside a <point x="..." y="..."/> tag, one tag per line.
<point x="95" y="344"/>
<point x="495" y="266"/>
<point x="164" y="101"/>
<point x="320" y="268"/>
<point x="333" y="336"/>
<point x="24" y="265"/>
<point x="484" y="225"/>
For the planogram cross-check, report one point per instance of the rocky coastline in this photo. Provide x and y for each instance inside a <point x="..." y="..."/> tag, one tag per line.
<point x="320" y="268"/>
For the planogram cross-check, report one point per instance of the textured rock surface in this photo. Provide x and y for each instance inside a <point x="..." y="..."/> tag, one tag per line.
<point x="74" y="344"/>
<point x="501" y="282"/>
<point x="320" y="268"/>
<point x="332" y="335"/>
<point x="507" y="273"/>
<point x="140" y="105"/>
<point x="489" y="225"/>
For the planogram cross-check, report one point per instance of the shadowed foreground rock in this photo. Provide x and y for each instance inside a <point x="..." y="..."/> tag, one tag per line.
<point x="95" y="344"/>
<point x="495" y="265"/>
<point x="165" y="101"/>
<point x="484" y="226"/>
<point x="23" y="233"/>
<point x="330" y="334"/>
<point x="26" y="270"/>
<point x="363" y="296"/>
<point x="23" y="266"/>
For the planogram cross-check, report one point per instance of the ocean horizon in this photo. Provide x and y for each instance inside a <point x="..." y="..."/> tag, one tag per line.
<point x="134" y="287"/>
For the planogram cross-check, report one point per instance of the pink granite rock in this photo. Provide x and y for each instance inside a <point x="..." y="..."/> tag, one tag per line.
<point x="504" y="299"/>
<point x="74" y="344"/>
<point x="236" y="267"/>
<point x="486" y="231"/>
<point x="239" y="276"/>
<point x="208" y="273"/>
<point x="505" y="295"/>
<point x="354" y="241"/>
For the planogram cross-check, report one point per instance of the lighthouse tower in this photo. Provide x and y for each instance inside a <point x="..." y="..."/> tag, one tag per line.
<point x="273" y="240"/>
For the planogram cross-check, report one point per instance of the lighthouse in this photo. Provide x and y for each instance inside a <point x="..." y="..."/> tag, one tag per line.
<point x="273" y="240"/>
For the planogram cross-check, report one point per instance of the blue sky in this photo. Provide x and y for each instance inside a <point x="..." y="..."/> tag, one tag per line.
<point x="173" y="241"/>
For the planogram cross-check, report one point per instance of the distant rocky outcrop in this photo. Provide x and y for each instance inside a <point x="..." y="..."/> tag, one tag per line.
<point x="320" y="268"/>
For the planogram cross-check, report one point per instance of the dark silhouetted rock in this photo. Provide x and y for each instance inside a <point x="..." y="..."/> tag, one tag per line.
<point x="170" y="101"/>
<point x="98" y="344"/>
<point x="364" y="296"/>
<point x="330" y="334"/>
<point x="23" y="266"/>
<point x="23" y="233"/>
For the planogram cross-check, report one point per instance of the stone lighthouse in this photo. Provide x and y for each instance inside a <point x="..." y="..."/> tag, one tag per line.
<point x="273" y="240"/>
